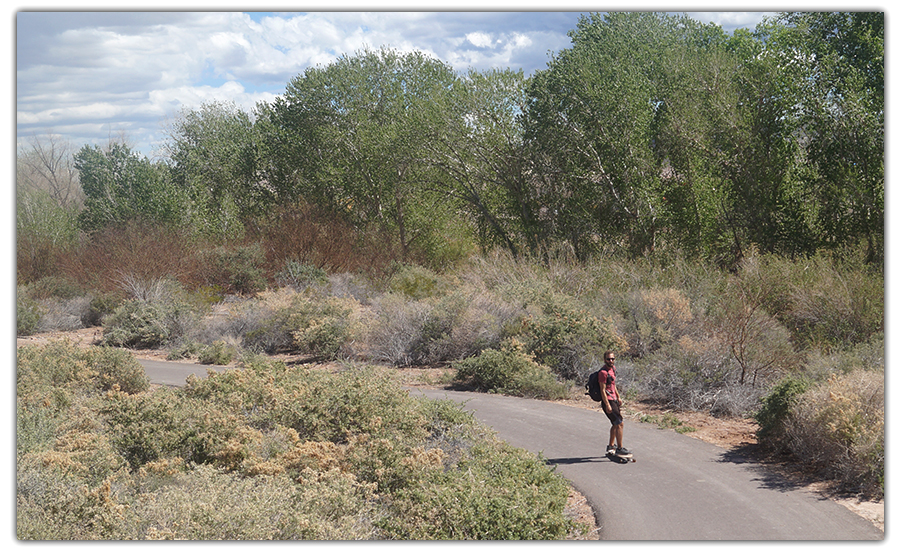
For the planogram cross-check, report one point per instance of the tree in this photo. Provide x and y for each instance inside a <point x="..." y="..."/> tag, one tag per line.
<point x="591" y="118"/>
<point x="47" y="164"/>
<point x="841" y="101"/>
<point x="214" y="158"/>
<point x="119" y="186"/>
<point x="483" y="162"/>
<point x="352" y="136"/>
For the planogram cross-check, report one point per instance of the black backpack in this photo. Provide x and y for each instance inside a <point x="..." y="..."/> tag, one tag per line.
<point x="593" y="387"/>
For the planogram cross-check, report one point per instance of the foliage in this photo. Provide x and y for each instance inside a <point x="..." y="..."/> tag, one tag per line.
<point x="510" y="370"/>
<point x="235" y="269"/>
<point x="214" y="159"/>
<point x="119" y="186"/>
<point x="565" y="337"/>
<point x="776" y="407"/>
<point x="321" y="328"/>
<point x="62" y="365"/>
<point x="300" y="275"/>
<point x="842" y="59"/>
<point x="219" y="352"/>
<point x="658" y="317"/>
<point x="517" y="507"/>
<point x="417" y="282"/>
<point x="28" y="313"/>
<point x="144" y="324"/>
<point x="837" y="428"/>
<point x="353" y="136"/>
<point x="45" y="229"/>
<point x="270" y="452"/>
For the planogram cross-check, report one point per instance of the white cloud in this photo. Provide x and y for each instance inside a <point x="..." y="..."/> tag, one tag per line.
<point x="480" y="40"/>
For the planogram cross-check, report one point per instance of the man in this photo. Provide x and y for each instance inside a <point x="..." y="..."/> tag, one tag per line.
<point x="612" y="405"/>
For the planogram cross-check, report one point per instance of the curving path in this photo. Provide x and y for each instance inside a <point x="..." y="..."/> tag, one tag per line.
<point x="679" y="489"/>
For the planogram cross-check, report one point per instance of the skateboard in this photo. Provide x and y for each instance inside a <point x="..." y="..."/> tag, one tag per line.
<point x="621" y="459"/>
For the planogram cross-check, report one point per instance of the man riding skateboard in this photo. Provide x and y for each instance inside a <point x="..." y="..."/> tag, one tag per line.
<point x="612" y="406"/>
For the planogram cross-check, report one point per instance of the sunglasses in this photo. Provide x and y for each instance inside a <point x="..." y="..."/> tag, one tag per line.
<point x="611" y="358"/>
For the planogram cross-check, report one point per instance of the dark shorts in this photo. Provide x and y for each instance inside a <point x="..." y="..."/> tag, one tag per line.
<point x="615" y="413"/>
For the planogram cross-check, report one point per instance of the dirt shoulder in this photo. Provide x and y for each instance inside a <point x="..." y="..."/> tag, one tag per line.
<point x="732" y="434"/>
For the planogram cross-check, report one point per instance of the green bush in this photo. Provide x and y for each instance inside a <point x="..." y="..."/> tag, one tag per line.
<point x="151" y="426"/>
<point x="300" y="275"/>
<point x="236" y="270"/>
<point x="776" y="408"/>
<point x="825" y="302"/>
<point x="219" y="352"/>
<point x="837" y="428"/>
<point x="28" y="314"/>
<point x="417" y="282"/>
<point x="184" y="349"/>
<point x="496" y="493"/>
<point x="137" y="324"/>
<point x="266" y="452"/>
<point x="102" y="304"/>
<point x="321" y="328"/>
<point x="61" y="364"/>
<point x="565" y="337"/>
<point x="509" y="370"/>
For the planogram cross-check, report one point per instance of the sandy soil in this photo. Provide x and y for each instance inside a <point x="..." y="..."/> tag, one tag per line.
<point x="730" y="434"/>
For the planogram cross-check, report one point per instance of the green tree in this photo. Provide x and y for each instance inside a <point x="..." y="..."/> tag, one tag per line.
<point x="119" y="186"/>
<point x="351" y="136"/>
<point x="483" y="161"/>
<point x="729" y="148"/>
<point x="591" y="119"/>
<point x="214" y="158"/>
<point x="842" y="115"/>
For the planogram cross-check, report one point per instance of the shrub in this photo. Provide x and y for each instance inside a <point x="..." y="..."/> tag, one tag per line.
<point x="28" y="314"/>
<point x="837" y="427"/>
<point x="396" y="328"/>
<point x="268" y="452"/>
<point x="151" y="426"/>
<point x="565" y="337"/>
<point x="207" y="504"/>
<point x="657" y="318"/>
<point x="219" y="352"/>
<point x="58" y="287"/>
<point x="300" y="275"/>
<point x="509" y="370"/>
<point x="321" y="328"/>
<point x="143" y="324"/>
<point x="823" y="301"/>
<point x="236" y="270"/>
<point x="696" y="375"/>
<point x="773" y="415"/>
<point x="63" y="314"/>
<point x="417" y="282"/>
<point x="137" y="324"/>
<point x="184" y="349"/>
<point x="102" y="304"/>
<point x="61" y="364"/>
<point x="497" y="492"/>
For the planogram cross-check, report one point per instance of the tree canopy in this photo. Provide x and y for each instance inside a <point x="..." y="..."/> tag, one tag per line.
<point x="649" y="131"/>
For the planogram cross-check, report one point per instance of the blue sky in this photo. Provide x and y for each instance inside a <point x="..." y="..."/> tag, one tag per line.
<point x="88" y="77"/>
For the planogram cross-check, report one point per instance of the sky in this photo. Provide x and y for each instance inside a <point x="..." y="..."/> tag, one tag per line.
<point x="93" y="76"/>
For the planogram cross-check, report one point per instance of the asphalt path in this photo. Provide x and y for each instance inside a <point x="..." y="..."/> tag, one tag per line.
<point x="679" y="488"/>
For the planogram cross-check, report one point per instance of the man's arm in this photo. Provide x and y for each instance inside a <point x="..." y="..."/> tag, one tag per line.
<point x="603" y="395"/>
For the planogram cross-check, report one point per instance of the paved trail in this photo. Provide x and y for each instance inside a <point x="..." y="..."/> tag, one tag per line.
<point x="679" y="489"/>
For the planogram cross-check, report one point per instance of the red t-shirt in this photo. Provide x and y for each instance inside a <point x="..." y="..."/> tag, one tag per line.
<point x="608" y="376"/>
